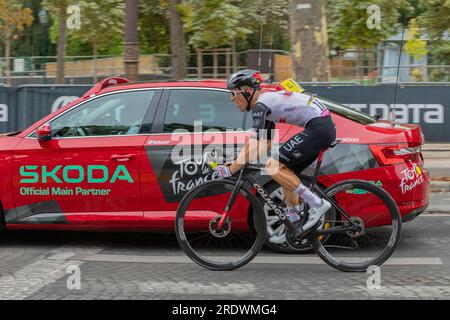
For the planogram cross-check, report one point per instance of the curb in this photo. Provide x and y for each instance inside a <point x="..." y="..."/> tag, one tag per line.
<point x="440" y="186"/>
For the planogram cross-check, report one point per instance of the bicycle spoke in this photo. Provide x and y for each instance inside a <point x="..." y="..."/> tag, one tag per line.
<point x="363" y="236"/>
<point x="220" y="248"/>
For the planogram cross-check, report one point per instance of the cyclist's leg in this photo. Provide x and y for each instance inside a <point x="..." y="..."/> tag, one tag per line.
<point x="289" y="181"/>
<point x="297" y="154"/>
<point x="291" y="198"/>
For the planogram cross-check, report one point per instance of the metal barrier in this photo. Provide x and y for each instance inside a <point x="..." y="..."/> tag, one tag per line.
<point x="334" y="83"/>
<point x="428" y="106"/>
<point x="413" y="83"/>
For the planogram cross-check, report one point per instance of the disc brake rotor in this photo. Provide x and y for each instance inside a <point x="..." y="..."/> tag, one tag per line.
<point x="358" y="227"/>
<point x="220" y="232"/>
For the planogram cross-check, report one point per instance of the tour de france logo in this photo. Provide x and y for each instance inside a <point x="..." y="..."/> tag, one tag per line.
<point x="411" y="178"/>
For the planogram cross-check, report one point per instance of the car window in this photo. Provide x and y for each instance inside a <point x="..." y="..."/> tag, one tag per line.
<point x="213" y="108"/>
<point x="116" y="114"/>
<point x="357" y="116"/>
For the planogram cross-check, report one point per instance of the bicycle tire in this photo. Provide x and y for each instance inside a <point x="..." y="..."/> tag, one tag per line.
<point x="259" y="223"/>
<point x="393" y="241"/>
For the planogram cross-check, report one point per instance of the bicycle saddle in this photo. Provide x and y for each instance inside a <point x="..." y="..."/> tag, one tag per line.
<point x="334" y="144"/>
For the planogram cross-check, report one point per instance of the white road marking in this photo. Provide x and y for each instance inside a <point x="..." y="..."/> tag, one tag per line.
<point x="43" y="271"/>
<point x="435" y="215"/>
<point x="185" y="287"/>
<point x="440" y="292"/>
<point x="275" y="259"/>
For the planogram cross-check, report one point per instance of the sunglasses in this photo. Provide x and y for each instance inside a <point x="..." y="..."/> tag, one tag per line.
<point x="235" y="93"/>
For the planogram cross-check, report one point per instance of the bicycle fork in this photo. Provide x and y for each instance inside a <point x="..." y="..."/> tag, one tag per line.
<point x="231" y="201"/>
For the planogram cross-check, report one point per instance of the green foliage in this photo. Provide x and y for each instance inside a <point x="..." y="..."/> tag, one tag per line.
<point x="34" y="40"/>
<point x="347" y="22"/>
<point x="102" y="25"/>
<point x="53" y="8"/>
<point x="417" y="75"/>
<point x="415" y="46"/>
<point x="14" y="18"/>
<point x="436" y="18"/>
<point x="275" y="19"/>
<point x="440" y="52"/>
<point x="438" y="75"/>
<point x="154" y="27"/>
<point x="213" y="23"/>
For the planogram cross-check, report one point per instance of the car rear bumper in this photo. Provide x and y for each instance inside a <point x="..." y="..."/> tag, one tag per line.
<point x="414" y="214"/>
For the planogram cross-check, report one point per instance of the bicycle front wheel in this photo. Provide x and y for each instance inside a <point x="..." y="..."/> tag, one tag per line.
<point x="220" y="248"/>
<point x="367" y="228"/>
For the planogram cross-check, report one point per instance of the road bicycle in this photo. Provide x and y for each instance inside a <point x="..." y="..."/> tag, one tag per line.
<point x="221" y="224"/>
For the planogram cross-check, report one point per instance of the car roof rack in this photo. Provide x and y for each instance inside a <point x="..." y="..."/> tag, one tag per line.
<point x="102" y="85"/>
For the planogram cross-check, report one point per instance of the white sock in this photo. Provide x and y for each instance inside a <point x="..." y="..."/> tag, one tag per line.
<point x="311" y="198"/>
<point x="293" y="214"/>
<point x="300" y="207"/>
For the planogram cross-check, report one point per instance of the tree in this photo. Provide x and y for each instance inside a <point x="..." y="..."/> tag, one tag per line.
<point x="436" y="20"/>
<point x="353" y="24"/>
<point x="177" y="41"/>
<point x="154" y="26"/>
<point x="348" y="22"/>
<point x="107" y="17"/>
<point x="275" y="19"/>
<point x="13" y="20"/>
<point x="58" y="11"/>
<point x="34" y="40"/>
<point x="309" y="39"/>
<point x="215" y="23"/>
<point x="131" y="52"/>
<point x="415" y="47"/>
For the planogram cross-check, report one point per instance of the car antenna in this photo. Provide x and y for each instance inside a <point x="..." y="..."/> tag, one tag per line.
<point x="271" y="77"/>
<point x="392" y="113"/>
<point x="260" y="48"/>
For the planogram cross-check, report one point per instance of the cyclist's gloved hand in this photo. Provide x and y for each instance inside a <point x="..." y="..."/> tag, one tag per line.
<point x="223" y="171"/>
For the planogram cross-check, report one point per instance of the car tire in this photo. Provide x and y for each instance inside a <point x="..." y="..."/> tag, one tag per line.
<point x="274" y="190"/>
<point x="2" y="220"/>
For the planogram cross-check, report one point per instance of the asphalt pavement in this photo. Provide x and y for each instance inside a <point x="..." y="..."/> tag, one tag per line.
<point x="65" y="265"/>
<point x="437" y="161"/>
<point x="71" y="265"/>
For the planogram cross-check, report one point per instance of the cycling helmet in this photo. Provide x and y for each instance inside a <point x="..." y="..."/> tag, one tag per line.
<point x="247" y="77"/>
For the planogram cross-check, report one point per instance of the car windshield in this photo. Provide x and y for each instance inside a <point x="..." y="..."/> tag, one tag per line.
<point x="357" y="116"/>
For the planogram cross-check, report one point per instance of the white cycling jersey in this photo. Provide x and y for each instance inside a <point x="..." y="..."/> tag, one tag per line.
<point x="293" y="108"/>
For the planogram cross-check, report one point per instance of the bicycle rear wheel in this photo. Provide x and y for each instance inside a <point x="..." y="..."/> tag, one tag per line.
<point x="368" y="235"/>
<point x="227" y="248"/>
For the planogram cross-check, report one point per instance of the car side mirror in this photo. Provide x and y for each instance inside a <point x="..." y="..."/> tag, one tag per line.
<point x="44" y="133"/>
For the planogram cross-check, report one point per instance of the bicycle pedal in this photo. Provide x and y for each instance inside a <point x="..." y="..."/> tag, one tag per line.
<point x="300" y="235"/>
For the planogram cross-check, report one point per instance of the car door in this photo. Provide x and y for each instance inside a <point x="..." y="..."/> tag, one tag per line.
<point x="166" y="178"/>
<point x="89" y="172"/>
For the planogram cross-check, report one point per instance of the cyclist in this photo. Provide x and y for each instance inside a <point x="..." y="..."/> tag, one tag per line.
<point x="296" y="154"/>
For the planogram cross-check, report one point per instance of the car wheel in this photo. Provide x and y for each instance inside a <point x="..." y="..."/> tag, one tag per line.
<point x="2" y="220"/>
<point x="276" y="227"/>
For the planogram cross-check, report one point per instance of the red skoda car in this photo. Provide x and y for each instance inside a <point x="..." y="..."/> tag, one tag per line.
<point x="104" y="161"/>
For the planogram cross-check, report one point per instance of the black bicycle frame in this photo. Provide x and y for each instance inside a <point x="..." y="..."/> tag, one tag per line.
<point x="248" y="177"/>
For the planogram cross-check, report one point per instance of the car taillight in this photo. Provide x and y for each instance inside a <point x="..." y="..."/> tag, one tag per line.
<point x="396" y="154"/>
